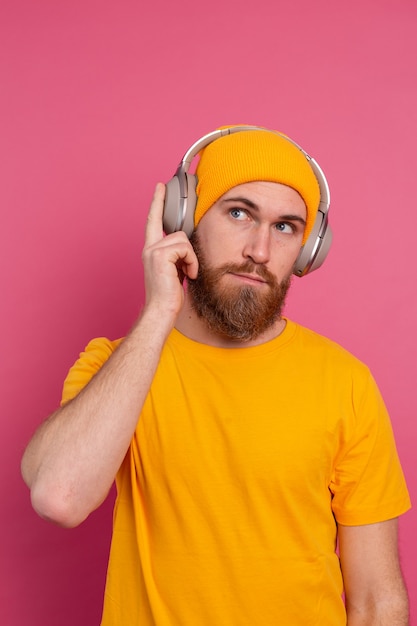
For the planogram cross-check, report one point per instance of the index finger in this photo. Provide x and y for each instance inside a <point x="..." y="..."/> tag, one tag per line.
<point x="154" y="230"/>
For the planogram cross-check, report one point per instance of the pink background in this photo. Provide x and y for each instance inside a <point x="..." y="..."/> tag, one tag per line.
<point x="99" y="100"/>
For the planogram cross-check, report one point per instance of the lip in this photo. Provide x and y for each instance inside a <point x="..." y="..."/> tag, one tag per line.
<point x="251" y="279"/>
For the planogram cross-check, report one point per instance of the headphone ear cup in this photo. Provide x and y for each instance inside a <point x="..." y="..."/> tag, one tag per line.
<point x="179" y="211"/>
<point x="315" y="250"/>
<point x="171" y="205"/>
<point x="322" y="250"/>
<point x="191" y="203"/>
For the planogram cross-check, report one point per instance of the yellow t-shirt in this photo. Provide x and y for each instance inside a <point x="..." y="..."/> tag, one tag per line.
<point x="240" y="464"/>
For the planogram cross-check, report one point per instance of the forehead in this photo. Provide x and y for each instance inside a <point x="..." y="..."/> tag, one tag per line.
<point x="265" y="194"/>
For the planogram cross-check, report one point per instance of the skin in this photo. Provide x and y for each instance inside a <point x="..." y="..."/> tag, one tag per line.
<point x="71" y="461"/>
<point x="374" y="587"/>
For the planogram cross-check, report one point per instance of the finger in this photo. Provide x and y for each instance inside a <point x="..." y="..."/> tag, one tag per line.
<point x="187" y="265"/>
<point x="174" y="250"/>
<point x="154" y="230"/>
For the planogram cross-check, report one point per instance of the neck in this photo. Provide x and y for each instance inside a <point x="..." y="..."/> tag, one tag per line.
<point x="194" y="327"/>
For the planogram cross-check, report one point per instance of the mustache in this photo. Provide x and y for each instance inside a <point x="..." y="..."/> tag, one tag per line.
<point x="248" y="267"/>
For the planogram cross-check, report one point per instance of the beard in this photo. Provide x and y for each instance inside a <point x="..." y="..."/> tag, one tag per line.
<point x="238" y="312"/>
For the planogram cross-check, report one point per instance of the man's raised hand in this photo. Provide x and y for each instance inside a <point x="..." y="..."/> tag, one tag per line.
<point x="166" y="261"/>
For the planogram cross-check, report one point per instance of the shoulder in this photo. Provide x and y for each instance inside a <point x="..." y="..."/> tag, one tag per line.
<point x="93" y="357"/>
<point x="100" y="348"/>
<point x="321" y="348"/>
<point x="96" y="353"/>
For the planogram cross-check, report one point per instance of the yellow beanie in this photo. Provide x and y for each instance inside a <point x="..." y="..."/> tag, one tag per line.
<point x="254" y="155"/>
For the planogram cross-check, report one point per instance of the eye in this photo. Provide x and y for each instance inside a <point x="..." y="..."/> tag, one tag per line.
<point x="238" y="214"/>
<point x="285" y="227"/>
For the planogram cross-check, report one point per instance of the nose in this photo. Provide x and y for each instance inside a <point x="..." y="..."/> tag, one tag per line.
<point x="258" y="245"/>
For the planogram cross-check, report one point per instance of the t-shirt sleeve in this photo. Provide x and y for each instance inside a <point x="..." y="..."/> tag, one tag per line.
<point x="368" y="484"/>
<point x="88" y="364"/>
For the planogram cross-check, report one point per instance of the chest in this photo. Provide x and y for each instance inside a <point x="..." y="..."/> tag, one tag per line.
<point x="272" y="427"/>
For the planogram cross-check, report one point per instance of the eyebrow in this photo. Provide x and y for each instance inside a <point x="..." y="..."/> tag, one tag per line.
<point x="255" y="207"/>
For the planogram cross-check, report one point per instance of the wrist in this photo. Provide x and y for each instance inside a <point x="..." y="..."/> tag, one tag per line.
<point x="155" y="321"/>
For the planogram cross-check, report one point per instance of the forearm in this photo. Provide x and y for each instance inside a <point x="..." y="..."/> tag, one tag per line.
<point x="388" y="609"/>
<point x="384" y="614"/>
<point x="72" y="460"/>
<point x="375" y="591"/>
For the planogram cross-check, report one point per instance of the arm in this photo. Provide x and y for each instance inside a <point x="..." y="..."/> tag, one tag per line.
<point x="72" y="459"/>
<point x="374" y="586"/>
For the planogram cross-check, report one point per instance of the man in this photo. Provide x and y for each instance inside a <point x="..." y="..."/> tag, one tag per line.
<point x="245" y="447"/>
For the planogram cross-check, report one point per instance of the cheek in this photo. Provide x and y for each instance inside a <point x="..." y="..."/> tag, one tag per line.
<point x="217" y="247"/>
<point x="284" y="260"/>
<point x="215" y="254"/>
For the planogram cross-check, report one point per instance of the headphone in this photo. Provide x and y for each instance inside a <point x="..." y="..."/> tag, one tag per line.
<point x="181" y="201"/>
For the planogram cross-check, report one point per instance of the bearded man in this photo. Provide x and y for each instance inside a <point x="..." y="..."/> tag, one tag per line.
<point x="245" y="447"/>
